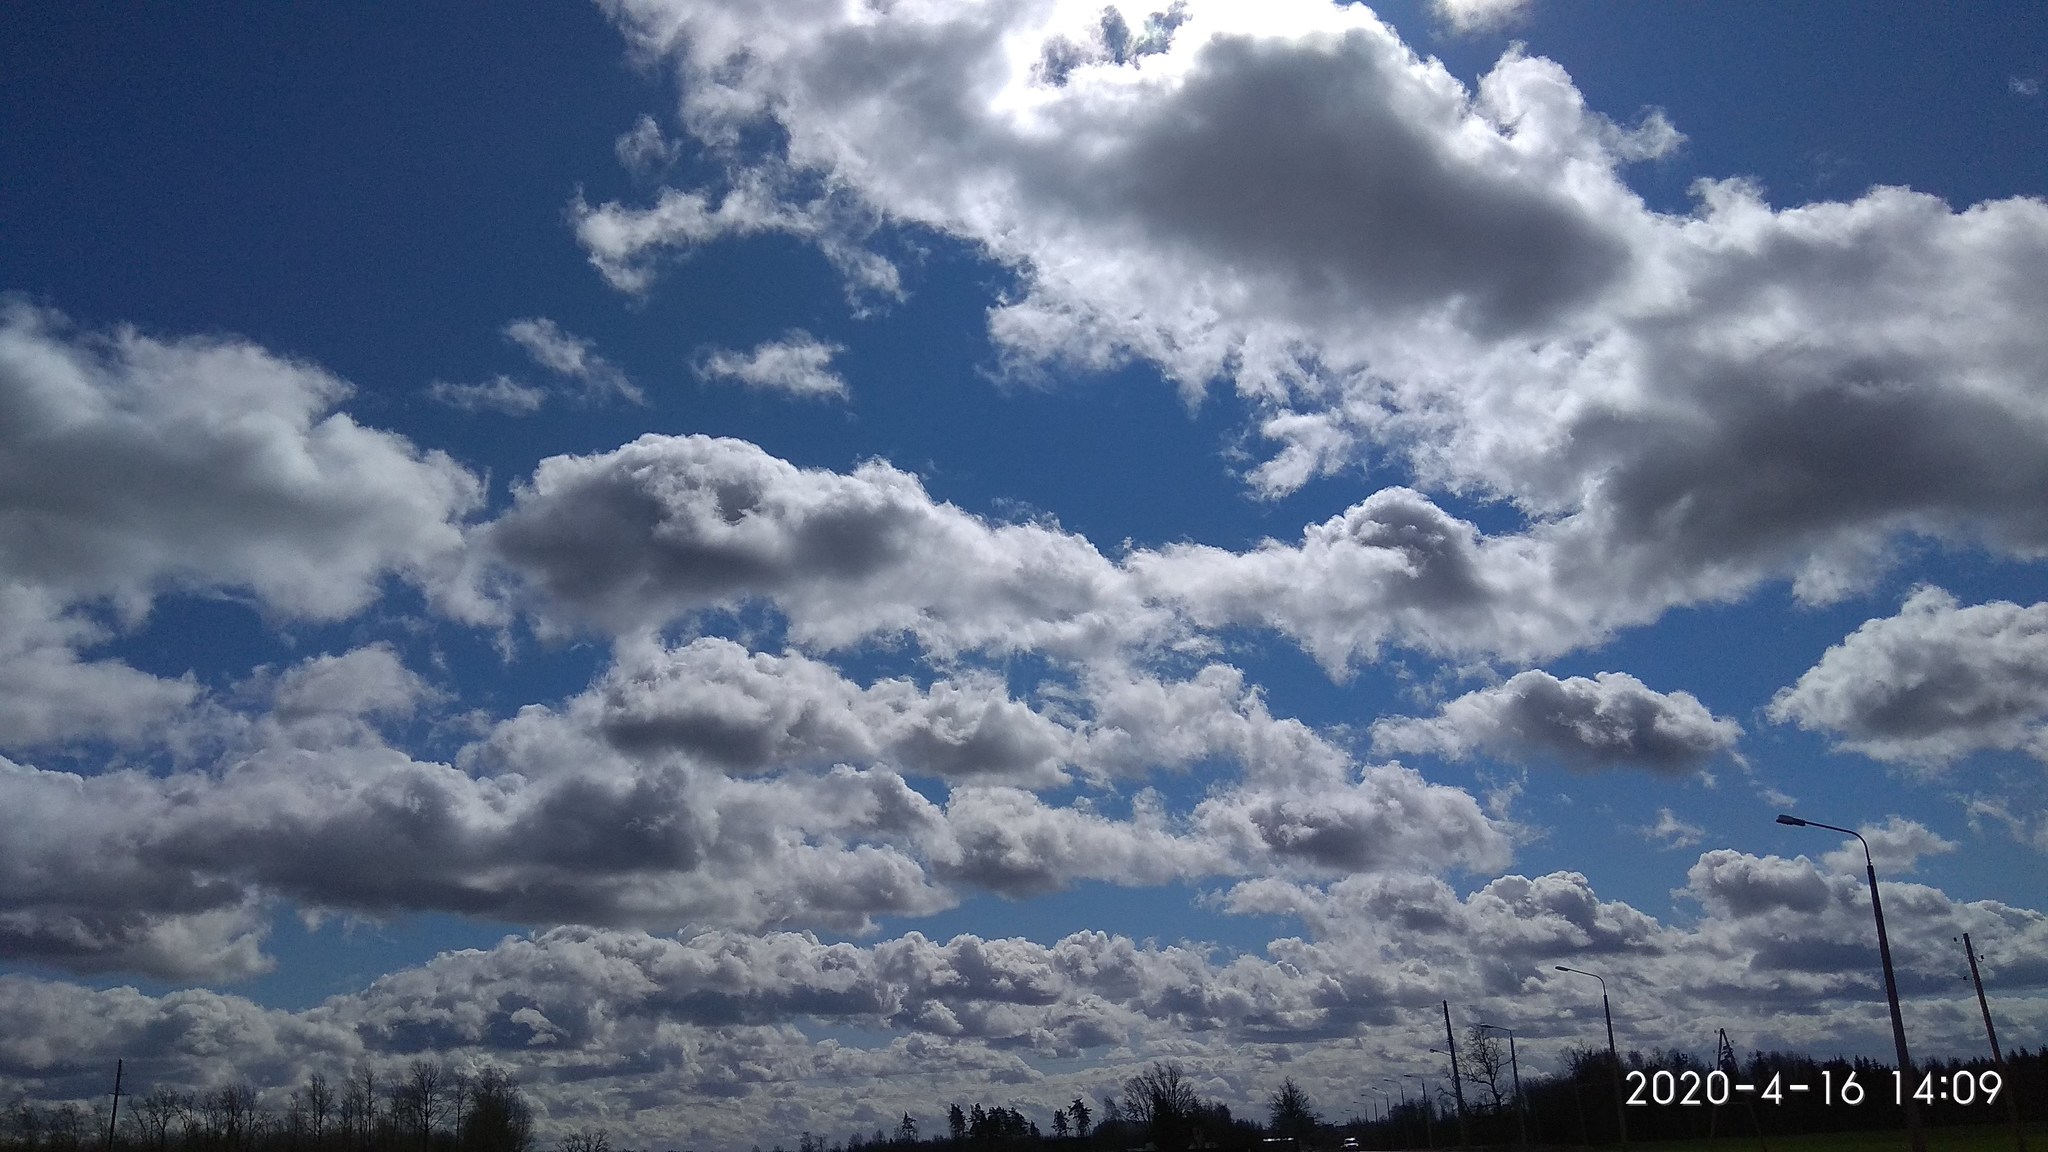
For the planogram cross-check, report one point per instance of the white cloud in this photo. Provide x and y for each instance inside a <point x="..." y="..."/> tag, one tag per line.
<point x="1895" y="846"/>
<point x="1671" y="832"/>
<point x="701" y="784"/>
<point x="754" y="712"/>
<point x="572" y="357"/>
<point x="50" y="695"/>
<point x="1612" y="720"/>
<point x="624" y="243"/>
<point x="498" y="394"/>
<point x="667" y="527"/>
<point x="1481" y="15"/>
<point x="798" y="364"/>
<point x="136" y="466"/>
<point x="644" y="150"/>
<point x="1931" y="684"/>
<point x="1780" y="951"/>
<point x="1682" y="406"/>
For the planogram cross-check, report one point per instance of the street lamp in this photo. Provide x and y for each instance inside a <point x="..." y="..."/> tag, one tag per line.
<point x="1428" y="1109"/>
<point x="1614" y="1058"/>
<point x="1891" y="984"/>
<point x="1457" y="1095"/>
<point x="1515" y="1063"/>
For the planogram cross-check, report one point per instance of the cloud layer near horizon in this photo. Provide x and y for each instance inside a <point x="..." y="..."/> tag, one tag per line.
<point x="582" y="1014"/>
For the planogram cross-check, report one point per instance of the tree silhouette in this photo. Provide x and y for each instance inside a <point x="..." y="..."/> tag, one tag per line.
<point x="1162" y="1101"/>
<point x="1290" y="1111"/>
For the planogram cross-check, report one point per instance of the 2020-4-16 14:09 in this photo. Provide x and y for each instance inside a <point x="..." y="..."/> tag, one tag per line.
<point x="1690" y="1088"/>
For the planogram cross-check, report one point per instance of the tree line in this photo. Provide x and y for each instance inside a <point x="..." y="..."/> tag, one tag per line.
<point x="431" y="1108"/>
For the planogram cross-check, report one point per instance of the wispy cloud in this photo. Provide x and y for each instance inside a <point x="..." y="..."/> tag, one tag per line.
<point x="498" y="394"/>
<point x="1670" y="832"/>
<point x="1481" y="15"/>
<point x="798" y="364"/>
<point x="573" y="358"/>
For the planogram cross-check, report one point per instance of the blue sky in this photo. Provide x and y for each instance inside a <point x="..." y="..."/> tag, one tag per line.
<point x="1334" y="509"/>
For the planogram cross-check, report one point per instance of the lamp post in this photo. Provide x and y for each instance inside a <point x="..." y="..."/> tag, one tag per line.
<point x="1614" y="1058"/>
<point x="1521" y="1106"/>
<point x="1403" y="1090"/>
<point x="1428" y="1110"/>
<point x="1891" y="984"/>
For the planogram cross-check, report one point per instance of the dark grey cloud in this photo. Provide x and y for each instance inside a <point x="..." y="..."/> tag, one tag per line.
<point x="1610" y="721"/>
<point x="1931" y="684"/>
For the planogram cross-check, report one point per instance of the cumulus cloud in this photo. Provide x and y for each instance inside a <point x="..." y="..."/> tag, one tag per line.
<point x="1781" y="950"/>
<point x="798" y="364"/>
<point x="135" y="466"/>
<point x="572" y="358"/>
<point x="1612" y="720"/>
<point x="670" y="526"/>
<point x="50" y="695"/>
<point x="699" y="784"/>
<point x="1932" y="684"/>
<point x="1895" y="846"/>
<point x="1681" y="406"/>
<point x="755" y="712"/>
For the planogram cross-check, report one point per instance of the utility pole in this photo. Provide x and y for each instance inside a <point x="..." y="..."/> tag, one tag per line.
<point x="1521" y="1107"/>
<point x="2012" y="1108"/>
<point x="1724" y="1059"/>
<point x="115" y="1118"/>
<point x="1457" y="1081"/>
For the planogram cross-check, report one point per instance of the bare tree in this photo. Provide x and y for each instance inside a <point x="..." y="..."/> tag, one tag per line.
<point x="228" y="1113"/>
<point x="423" y="1084"/>
<point x="160" y="1108"/>
<point x="27" y="1124"/>
<point x="66" y="1127"/>
<point x="358" y="1113"/>
<point x="1162" y="1101"/>
<point x="497" y="1119"/>
<point x="588" y="1140"/>
<point x="1485" y="1063"/>
<point x="296" y="1125"/>
<point x="319" y="1106"/>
